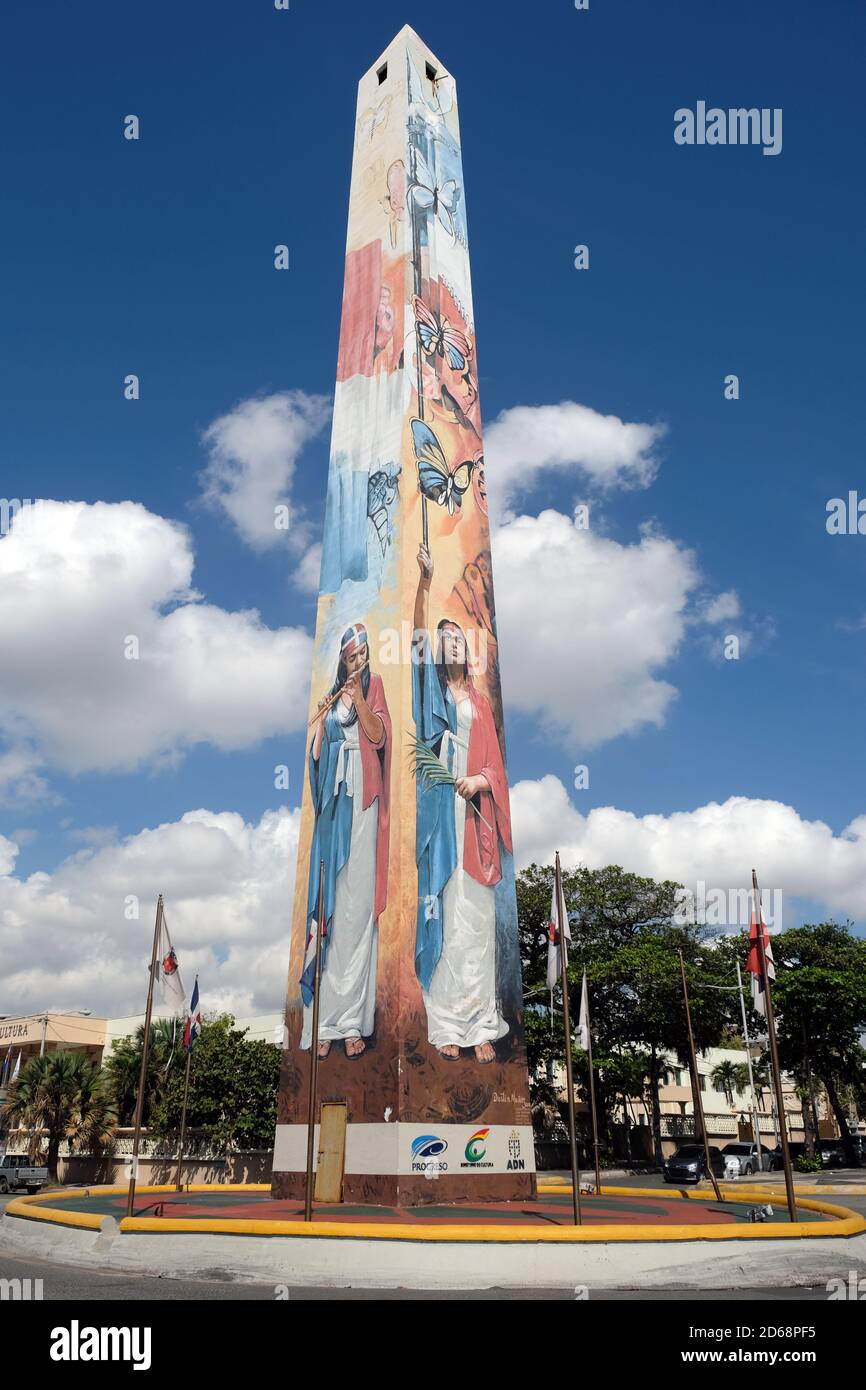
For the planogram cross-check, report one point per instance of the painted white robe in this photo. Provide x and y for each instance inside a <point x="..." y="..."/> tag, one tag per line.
<point x="461" y="1002"/>
<point x="347" y="995"/>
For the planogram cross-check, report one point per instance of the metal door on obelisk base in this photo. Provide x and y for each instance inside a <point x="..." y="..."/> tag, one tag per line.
<point x="332" y="1153"/>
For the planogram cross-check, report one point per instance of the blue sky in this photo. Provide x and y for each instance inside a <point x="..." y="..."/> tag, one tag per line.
<point x="156" y="257"/>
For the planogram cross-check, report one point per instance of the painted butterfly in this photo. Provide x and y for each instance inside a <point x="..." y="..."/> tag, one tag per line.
<point x="437" y="337"/>
<point x="436" y="480"/>
<point x="426" y="193"/>
<point x="370" y="120"/>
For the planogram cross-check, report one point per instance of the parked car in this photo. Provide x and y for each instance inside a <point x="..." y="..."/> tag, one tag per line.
<point x="689" y="1164"/>
<point x="830" y="1151"/>
<point x="17" y="1171"/>
<point x="794" y="1149"/>
<point x="859" y="1144"/>
<point x="747" y="1155"/>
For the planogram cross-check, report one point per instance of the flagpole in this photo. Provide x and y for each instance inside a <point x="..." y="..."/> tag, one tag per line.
<point x="774" y="1050"/>
<point x="314" y="1049"/>
<point x="696" y="1092"/>
<point x="569" y="1069"/>
<point x="592" y="1096"/>
<point x="756" y="1128"/>
<point x="183" y="1118"/>
<point x="142" y="1075"/>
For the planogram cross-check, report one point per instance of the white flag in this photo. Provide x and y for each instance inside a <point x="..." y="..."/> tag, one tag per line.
<point x="168" y="973"/>
<point x="17" y="1065"/>
<point x="557" y="916"/>
<point x="583" y="1021"/>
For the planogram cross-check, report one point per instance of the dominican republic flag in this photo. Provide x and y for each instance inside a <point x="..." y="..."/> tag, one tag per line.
<point x="308" y="974"/>
<point x="753" y="964"/>
<point x="168" y="973"/>
<point x="583" y="1021"/>
<point x="192" y="1028"/>
<point x="557" y="928"/>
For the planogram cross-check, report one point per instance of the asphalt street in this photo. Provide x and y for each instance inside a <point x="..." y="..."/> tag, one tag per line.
<point x="65" y="1283"/>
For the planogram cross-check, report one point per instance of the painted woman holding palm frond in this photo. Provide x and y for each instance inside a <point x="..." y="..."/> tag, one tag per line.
<point x="459" y="826"/>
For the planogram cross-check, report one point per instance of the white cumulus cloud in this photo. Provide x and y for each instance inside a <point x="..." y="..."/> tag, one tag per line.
<point x="227" y="886"/>
<point x="83" y="587"/>
<point x="253" y="451"/>
<point x="587" y="624"/>
<point x="528" y="440"/>
<point x="718" y="844"/>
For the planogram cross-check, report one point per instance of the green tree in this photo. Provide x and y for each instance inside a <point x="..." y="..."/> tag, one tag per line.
<point x="123" y="1067"/>
<point x="726" y="1076"/>
<point x="62" y="1095"/>
<point x="232" y="1091"/>
<point x="820" y="1002"/>
<point x="626" y="936"/>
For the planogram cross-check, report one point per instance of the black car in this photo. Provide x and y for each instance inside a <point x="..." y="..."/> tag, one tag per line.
<point x="689" y="1164"/>
<point x="830" y="1151"/>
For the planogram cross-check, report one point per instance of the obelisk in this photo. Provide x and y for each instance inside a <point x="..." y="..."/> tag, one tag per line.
<point x="422" y="1091"/>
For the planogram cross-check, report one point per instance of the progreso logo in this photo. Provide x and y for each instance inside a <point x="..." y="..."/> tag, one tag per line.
<point x="475" y="1150"/>
<point x="425" y="1154"/>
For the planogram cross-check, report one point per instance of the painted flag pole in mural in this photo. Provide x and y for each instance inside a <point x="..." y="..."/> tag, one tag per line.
<point x="191" y="1033"/>
<point x="584" y="1040"/>
<point x="142" y="1075"/>
<point x="562" y="933"/>
<point x="314" y="1050"/>
<point x="759" y="936"/>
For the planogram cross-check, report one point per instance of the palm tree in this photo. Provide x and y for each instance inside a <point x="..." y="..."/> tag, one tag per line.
<point x="123" y="1067"/>
<point x="61" y="1094"/>
<point x="724" y="1077"/>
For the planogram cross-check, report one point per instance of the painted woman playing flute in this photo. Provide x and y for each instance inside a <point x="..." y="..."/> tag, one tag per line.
<point x="350" y="766"/>
<point x="459" y="828"/>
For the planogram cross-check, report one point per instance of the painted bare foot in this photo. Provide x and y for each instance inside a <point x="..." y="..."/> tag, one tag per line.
<point x="324" y="1049"/>
<point x="355" y="1046"/>
<point x="450" y="1050"/>
<point x="484" y="1053"/>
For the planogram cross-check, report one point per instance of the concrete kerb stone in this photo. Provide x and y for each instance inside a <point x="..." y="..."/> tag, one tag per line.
<point x="360" y="1263"/>
<point x="299" y="1260"/>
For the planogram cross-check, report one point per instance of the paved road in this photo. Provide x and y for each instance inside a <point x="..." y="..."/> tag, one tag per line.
<point x="63" y="1282"/>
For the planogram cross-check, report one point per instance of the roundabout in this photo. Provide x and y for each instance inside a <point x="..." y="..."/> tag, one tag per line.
<point x="630" y="1238"/>
<point x="615" y="1214"/>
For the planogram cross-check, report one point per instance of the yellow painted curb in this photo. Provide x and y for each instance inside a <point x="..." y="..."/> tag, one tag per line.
<point x="37" y="1208"/>
<point x="846" y="1223"/>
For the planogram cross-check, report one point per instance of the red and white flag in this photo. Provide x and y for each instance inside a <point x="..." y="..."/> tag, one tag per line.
<point x="753" y="964"/>
<point x="168" y="973"/>
<point x="556" y="929"/>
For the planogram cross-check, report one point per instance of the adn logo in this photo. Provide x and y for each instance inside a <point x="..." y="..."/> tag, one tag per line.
<point x="515" y="1162"/>
<point x="426" y="1149"/>
<point x="474" y="1150"/>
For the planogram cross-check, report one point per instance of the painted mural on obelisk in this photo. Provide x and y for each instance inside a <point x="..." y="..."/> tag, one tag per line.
<point x="406" y="795"/>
